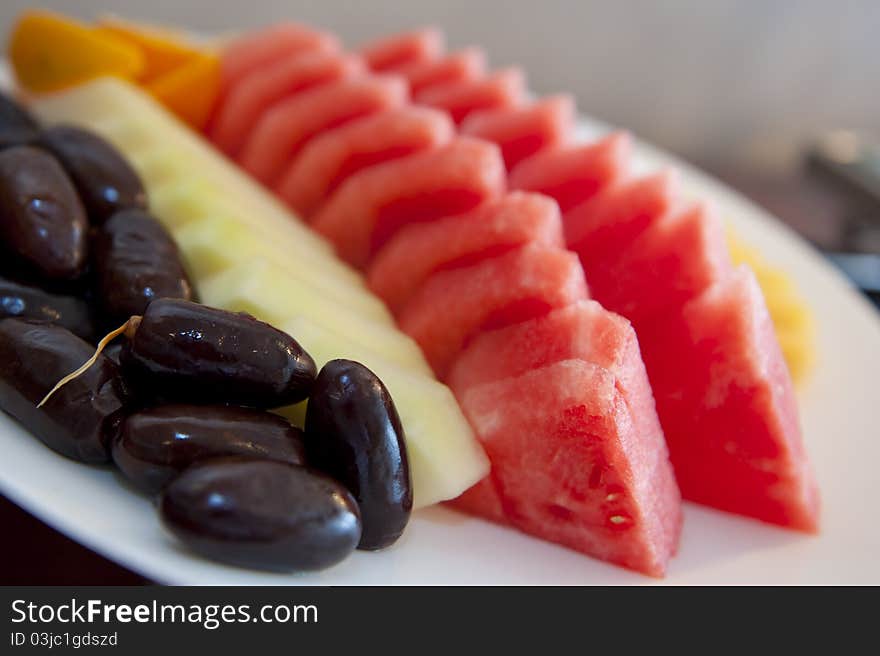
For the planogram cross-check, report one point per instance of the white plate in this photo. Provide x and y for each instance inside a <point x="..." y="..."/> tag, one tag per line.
<point x="839" y="410"/>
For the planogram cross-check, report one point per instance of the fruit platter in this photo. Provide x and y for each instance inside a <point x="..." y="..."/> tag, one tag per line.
<point x="279" y="310"/>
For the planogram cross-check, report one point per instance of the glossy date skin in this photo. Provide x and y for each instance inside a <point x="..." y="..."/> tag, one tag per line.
<point x="135" y="261"/>
<point x="28" y="302"/>
<point x="42" y="221"/>
<point x="194" y="353"/>
<point x="261" y="514"/>
<point x="17" y="126"/>
<point x="155" y="444"/>
<point x="105" y="181"/>
<point x="82" y="418"/>
<point x="354" y="434"/>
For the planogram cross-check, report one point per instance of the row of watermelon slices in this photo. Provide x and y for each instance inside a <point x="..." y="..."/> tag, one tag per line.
<point x="389" y="153"/>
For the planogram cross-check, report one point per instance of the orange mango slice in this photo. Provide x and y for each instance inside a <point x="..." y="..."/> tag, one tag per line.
<point x="164" y="49"/>
<point x="189" y="91"/>
<point x="51" y="52"/>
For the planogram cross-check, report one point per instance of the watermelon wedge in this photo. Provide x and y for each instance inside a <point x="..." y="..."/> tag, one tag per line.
<point x="246" y="101"/>
<point x="569" y="465"/>
<point x="426" y="44"/>
<point x="522" y="131"/>
<point x="369" y="207"/>
<point x="573" y="174"/>
<point x="582" y="331"/>
<point x="608" y="222"/>
<point x="289" y="124"/>
<point x="330" y="158"/>
<point x="454" y="306"/>
<point x="257" y="49"/>
<point x="420" y="249"/>
<point x="501" y="89"/>
<point x="726" y="401"/>
<point x="466" y="65"/>
<point x="674" y="260"/>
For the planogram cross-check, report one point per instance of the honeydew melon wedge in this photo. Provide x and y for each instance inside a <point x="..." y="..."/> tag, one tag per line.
<point x="213" y="244"/>
<point x="264" y="290"/>
<point x="442" y="454"/>
<point x="189" y="183"/>
<point x="179" y="202"/>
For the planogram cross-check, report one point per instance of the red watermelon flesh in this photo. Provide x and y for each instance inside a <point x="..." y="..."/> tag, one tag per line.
<point x="263" y="47"/>
<point x="525" y="130"/>
<point x="399" y="50"/>
<point x="256" y="92"/>
<point x="504" y="88"/>
<point x="330" y="158"/>
<point x="454" y="306"/>
<point x="418" y="250"/>
<point x="373" y="204"/>
<point x="607" y="223"/>
<point x="675" y="259"/>
<point x="285" y="127"/>
<point x="582" y="331"/>
<point x="570" y="467"/>
<point x="465" y="65"/>
<point x="726" y="402"/>
<point x="481" y="499"/>
<point x="573" y="174"/>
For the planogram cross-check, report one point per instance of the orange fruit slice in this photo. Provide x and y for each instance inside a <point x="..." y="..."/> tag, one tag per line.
<point x="164" y="49"/>
<point x="190" y="90"/>
<point x="51" y="52"/>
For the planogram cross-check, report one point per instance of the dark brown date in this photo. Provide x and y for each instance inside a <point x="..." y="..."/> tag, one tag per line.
<point x="104" y="179"/>
<point x="135" y="260"/>
<point x="262" y="514"/>
<point x="194" y="353"/>
<point x="354" y="434"/>
<point x="17" y="126"/>
<point x="157" y="443"/>
<point x="80" y="419"/>
<point x="27" y="302"/>
<point x="42" y="221"/>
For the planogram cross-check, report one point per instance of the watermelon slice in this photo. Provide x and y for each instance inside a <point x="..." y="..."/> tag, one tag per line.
<point x="454" y="306"/>
<point x="466" y="65"/>
<point x="245" y="102"/>
<point x="491" y="229"/>
<point x="574" y="174"/>
<point x="426" y="44"/>
<point x="330" y="158"/>
<point x="608" y="222"/>
<point x="570" y="466"/>
<point x="482" y="500"/>
<point x="260" y="48"/>
<point x="672" y="261"/>
<point x="369" y="207"/>
<point x="504" y="88"/>
<point x="289" y="124"/>
<point x="726" y="402"/>
<point x="582" y="331"/>
<point x="524" y="130"/>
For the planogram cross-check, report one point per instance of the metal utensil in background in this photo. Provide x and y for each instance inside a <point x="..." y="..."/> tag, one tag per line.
<point x="848" y="164"/>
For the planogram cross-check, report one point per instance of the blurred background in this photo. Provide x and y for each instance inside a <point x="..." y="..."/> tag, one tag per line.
<point x="744" y="81"/>
<point x="742" y="88"/>
<point x="780" y="98"/>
